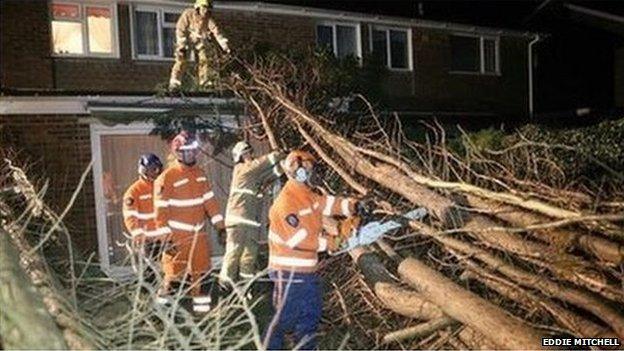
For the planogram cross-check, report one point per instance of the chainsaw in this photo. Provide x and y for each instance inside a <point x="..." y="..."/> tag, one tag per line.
<point x="360" y="231"/>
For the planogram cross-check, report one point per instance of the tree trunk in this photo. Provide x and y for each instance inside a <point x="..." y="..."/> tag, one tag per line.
<point x="602" y="248"/>
<point x="419" y="330"/>
<point x="468" y="308"/>
<point x="401" y="300"/>
<point x="24" y="320"/>
<point x="580" y="298"/>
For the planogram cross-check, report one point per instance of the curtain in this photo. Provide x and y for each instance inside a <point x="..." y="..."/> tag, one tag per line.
<point x="146" y="29"/>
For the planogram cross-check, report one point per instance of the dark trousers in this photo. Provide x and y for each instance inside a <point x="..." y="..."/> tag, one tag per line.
<point x="297" y="305"/>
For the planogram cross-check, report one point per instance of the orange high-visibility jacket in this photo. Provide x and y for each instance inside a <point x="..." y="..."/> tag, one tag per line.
<point x="184" y="199"/>
<point x="138" y="209"/>
<point x="295" y="230"/>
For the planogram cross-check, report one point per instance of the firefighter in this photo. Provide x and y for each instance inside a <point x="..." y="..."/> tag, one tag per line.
<point x="249" y="177"/>
<point x="184" y="201"/>
<point x="138" y="208"/>
<point x="295" y="238"/>
<point x="194" y="29"/>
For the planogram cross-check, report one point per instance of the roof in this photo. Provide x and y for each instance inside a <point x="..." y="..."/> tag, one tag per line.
<point x="303" y="11"/>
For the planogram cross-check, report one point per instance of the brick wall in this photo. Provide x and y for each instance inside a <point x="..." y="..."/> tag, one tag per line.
<point x="59" y="146"/>
<point x="429" y="87"/>
<point x="25" y="45"/>
<point x="128" y="75"/>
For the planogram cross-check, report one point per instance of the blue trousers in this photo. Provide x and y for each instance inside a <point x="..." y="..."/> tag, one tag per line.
<point x="297" y="306"/>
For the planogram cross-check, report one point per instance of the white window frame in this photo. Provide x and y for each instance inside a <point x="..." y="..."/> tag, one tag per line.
<point x="387" y="29"/>
<point x="333" y="24"/>
<point x="160" y="18"/>
<point x="112" y="5"/>
<point x="97" y="130"/>
<point x="482" y="39"/>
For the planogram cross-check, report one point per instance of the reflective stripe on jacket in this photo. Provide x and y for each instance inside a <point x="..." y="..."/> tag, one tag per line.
<point x="295" y="232"/>
<point x="248" y="178"/>
<point x="138" y="209"/>
<point x="183" y="199"/>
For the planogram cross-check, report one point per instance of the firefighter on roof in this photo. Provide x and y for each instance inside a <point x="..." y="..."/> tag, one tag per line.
<point x="249" y="177"/>
<point x="295" y="238"/>
<point x="184" y="201"/>
<point x="194" y="29"/>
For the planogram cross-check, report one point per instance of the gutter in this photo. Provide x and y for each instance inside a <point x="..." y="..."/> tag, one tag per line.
<point x="530" y="63"/>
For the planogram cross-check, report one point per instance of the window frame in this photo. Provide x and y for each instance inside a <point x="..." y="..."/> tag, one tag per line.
<point x="333" y="24"/>
<point x="112" y="6"/>
<point x="160" y="18"/>
<point x="482" y="39"/>
<point x="387" y="29"/>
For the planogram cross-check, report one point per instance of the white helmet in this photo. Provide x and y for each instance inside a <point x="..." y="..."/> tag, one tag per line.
<point x="241" y="148"/>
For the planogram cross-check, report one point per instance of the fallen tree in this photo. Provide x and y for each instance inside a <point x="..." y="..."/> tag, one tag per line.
<point x="24" y="320"/>
<point x="465" y="219"/>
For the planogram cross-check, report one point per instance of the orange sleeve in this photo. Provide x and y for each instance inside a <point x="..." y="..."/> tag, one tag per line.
<point x="162" y="193"/>
<point x="211" y="206"/>
<point x="131" y="211"/>
<point x="337" y="206"/>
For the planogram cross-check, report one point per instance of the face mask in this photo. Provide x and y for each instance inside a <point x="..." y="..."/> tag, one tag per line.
<point x="301" y="175"/>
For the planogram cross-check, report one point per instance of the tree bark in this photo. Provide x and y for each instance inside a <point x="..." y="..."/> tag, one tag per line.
<point x="401" y="300"/>
<point x="468" y="308"/>
<point x="580" y="298"/>
<point x="24" y="320"/>
<point x="577" y="324"/>
<point x="602" y="248"/>
<point x="419" y="330"/>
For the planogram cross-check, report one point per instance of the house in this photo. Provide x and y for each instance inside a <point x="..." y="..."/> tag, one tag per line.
<point x="76" y="73"/>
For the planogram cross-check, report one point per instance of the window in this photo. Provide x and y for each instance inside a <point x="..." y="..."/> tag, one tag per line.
<point x="83" y="29"/>
<point x="392" y="47"/>
<point x="341" y="39"/>
<point x="474" y="54"/>
<point x="154" y="32"/>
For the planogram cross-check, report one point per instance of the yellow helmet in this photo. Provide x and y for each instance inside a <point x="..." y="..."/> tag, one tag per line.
<point x="200" y="3"/>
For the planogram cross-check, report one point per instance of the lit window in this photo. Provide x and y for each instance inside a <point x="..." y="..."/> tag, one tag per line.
<point x="474" y="54"/>
<point x="154" y="32"/>
<point x="72" y="23"/>
<point x="391" y="47"/>
<point x="341" y="39"/>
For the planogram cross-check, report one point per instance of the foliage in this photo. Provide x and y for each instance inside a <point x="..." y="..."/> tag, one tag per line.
<point x="594" y="152"/>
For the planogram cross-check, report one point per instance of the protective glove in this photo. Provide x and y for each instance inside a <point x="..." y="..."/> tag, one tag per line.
<point x="222" y="237"/>
<point x="333" y="243"/>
